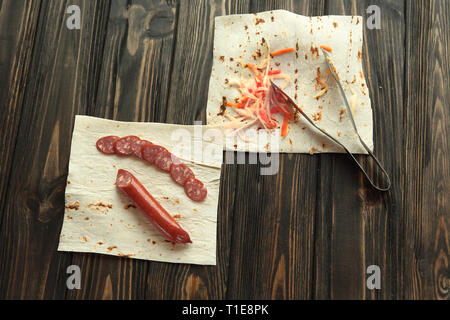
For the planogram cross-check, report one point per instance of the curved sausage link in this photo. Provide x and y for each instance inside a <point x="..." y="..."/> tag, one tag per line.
<point x="151" y="208"/>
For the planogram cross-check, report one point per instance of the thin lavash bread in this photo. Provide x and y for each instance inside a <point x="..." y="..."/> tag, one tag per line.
<point x="99" y="218"/>
<point x="240" y="39"/>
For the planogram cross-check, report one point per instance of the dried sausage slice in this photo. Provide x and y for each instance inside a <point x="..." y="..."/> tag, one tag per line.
<point x="138" y="145"/>
<point x="149" y="152"/>
<point x="195" y="189"/>
<point x="163" y="160"/>
<point x="123" y="146"/>
<point x="106" y="144"/>
<point x="180" y="173"/>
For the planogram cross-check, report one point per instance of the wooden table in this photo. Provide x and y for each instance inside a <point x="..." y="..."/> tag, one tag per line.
<point x="309" y="232"/>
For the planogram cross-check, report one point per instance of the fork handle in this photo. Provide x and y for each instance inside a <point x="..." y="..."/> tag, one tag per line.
<point x="375" y="186"/>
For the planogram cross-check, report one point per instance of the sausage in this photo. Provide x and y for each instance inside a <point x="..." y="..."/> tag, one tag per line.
<point x="180" y="173"/>
<point x="151" y="208"/>
<point x="138" y="145"/>
<point x="123" y="146"/>
<point x="149" y="152"/>
<point x="164" y="160"/>
<point x="106" y="144"/>
<point x="195" y="189"/>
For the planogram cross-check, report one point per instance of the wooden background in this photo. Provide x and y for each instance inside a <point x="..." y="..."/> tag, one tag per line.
<point x="309" y="232"/>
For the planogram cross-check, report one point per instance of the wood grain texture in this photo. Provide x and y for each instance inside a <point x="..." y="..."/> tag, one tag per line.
<point x="189" y="80"/>
<point x="308" y="232"/>
<point x="133" y="86"/>
<point x="426" y="256"/>
<point x="18" y="22"/>
<point x="358" y="226"/>
<point x="273" y="221"/>
<point x="62" y="77"/>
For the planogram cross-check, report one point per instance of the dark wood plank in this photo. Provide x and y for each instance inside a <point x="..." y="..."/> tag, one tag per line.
<point x="138" y="60"/>
<point x="426" y="250"/>
<point x="188" y="93"/>
<point x="63" y="79"/>
<point x="133" y="86"/>
<point x="358" y="226"/>
<point x="151" y="61"/>
<point x="18" y="22"/>
<point x="193" y="58"/>
<point x="273" y="219"/>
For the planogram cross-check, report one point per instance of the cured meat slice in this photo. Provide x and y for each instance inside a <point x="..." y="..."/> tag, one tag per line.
<point x="163" y="160"/>
<point x="180" y="173"/>
<point x="106" y="144"/>
<point x="138" y="145"/>
<point x="123" y="146"/>
<point x="195" y="189"/>
<point x="149" y="152"/>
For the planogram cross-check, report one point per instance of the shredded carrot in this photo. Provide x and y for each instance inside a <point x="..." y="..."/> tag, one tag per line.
<point x="284" y="127"/>
<point x="281" y="109"/>
<point x="328" y="72"/>
<point x="244" y="99"/>
<point x="281" y="51"/>
<point x="272" y="72"/>
<point x="258" y="104"/>
<point x="252" y="67"/>
<point x="320" y="80"/>
<point x="326" y="48"/>
<point x="234" y="105"/>
<point x="334" y="69"/>
<point x="324" y="86"/>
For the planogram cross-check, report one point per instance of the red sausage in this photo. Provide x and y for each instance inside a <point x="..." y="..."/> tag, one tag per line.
<point x="164" y="160"/>
<point x="106" y="144"/>
<point x="138" y="145"/>
<point x="151" y="208"/>
<point x="123" y="146"/>
<point x="149" y="152"/>
<point x="195" y="189"/>
<point x="180" y="173"/>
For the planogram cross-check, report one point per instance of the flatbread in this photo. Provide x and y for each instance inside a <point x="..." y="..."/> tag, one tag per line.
<point x="99" y="218"/>
<point x="241" y="39"/>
